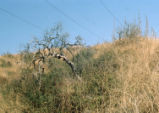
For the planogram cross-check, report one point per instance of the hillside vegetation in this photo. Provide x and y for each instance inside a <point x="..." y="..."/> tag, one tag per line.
<point x="118" y="77"/>
<point x="56" y="76"/>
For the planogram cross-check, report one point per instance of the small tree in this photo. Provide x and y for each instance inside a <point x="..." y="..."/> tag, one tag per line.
<point x="52" y="46"/>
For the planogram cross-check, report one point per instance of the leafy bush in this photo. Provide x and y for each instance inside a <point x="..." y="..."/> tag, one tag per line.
<point x="54" y="94"/>
<point x="26" y="57"/>
<point x="83" y="58"/>
<point x="39" y="98"/>
<point x="59" y="67"/>
<point x="107" y="62"/>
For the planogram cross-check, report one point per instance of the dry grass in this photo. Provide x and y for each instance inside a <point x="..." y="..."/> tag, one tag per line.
<point x="139" y="74"/>
<point x="137" y="90"/>
<point x="12" y="71"/>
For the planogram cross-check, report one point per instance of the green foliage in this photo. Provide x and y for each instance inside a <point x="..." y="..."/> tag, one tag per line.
<point x="51" y="93"/>
<point x="107" y="62"/>
<point x="59" y="67"/>
<point x="56" y="91"/>
<point x="107" y="82"/>
<point x="83" y="58"/>
<point x="42" y="98"/>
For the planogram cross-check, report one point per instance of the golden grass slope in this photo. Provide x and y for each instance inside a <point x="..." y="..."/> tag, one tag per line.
<point x="9" y="67"/>
<point x="138" y="74"/>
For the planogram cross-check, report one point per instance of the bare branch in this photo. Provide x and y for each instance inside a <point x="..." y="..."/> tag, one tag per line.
<point x="48" y="46"/>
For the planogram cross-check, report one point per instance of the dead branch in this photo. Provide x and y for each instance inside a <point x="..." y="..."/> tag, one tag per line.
<point x="52" y="41"/>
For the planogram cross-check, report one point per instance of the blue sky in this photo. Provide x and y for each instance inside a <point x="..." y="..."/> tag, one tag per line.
<point x="88" y="13"/>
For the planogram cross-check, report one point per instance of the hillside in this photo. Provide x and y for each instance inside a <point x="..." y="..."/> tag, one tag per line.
<point x="118" y="77"/>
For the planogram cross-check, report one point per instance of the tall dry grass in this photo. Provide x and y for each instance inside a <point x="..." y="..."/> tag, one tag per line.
<point x="139" y="77"/>
<point x="121" y="77"/>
